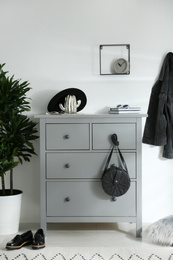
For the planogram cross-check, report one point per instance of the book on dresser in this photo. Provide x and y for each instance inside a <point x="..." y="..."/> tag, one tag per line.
<point x="126" y="110"/>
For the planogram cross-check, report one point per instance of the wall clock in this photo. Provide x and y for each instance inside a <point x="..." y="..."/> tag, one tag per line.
<point x="115" y="59"/>
<point x="121" y="66"/>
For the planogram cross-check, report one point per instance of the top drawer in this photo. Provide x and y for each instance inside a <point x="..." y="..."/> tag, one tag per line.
<point x="126" y="133"/>
<point x="67" y="136"/>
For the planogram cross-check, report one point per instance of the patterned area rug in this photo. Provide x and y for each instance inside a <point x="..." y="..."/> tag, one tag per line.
<point x="84" y="253"/>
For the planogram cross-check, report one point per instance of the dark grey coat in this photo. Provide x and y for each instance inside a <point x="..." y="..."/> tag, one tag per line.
<point x="159" y="123"/>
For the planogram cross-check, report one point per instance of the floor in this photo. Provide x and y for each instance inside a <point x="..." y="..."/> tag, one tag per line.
<point x="86" y="235"/>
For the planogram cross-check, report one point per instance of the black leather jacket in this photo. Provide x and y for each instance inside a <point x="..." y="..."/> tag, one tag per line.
<point x="159" y="123"/>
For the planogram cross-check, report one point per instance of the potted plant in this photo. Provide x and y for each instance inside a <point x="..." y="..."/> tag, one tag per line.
<point x="17" y="133"/>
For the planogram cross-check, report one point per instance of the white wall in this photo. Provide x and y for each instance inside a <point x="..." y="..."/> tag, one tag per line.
<point x="54" y="44"/>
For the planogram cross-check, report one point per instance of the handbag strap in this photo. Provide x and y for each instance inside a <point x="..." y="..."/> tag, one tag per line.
<point x="108" y="160"/>
<point x="116" y="144"/>
<point x="122" y="160"/>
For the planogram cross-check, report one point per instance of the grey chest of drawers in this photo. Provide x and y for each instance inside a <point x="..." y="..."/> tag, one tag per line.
<point x="73" y="151"/>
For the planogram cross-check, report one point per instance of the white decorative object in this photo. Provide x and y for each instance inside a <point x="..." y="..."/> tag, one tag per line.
<point x="10" y="207"/>
<point x="161" y="231"/>
<point x="70" y="104"/>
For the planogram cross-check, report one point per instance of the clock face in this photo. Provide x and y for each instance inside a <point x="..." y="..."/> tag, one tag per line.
<point x="121" y="66"/>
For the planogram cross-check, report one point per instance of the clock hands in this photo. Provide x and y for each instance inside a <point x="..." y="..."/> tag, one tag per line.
<point x="121" y="63"/>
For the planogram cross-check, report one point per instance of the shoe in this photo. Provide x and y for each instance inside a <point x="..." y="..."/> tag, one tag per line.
<point x="20" y="240"/>
<point x="38" y="240"/>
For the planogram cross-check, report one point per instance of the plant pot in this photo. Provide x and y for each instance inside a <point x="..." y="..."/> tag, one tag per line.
<point x="10" y="208"/>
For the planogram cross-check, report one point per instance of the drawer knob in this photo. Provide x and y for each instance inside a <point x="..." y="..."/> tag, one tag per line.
<point x="67" y="165"/>
<point x="67" y="136"/>
<point x="67" y="199"/>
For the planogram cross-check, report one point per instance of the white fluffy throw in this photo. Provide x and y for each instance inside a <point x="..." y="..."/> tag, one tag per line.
<point x="161" y="231"/>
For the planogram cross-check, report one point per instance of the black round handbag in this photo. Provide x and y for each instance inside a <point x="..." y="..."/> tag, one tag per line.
<point x="115" y="180"/>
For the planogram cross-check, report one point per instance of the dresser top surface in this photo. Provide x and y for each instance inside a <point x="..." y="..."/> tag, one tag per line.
<point x="80" y="115"/>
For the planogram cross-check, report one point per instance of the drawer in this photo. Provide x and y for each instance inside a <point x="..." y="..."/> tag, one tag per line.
<point x="126" y="133"/>
<point x="67" y="136"/>
<point x="87" y="199"/>
<point x="83" y="164"/>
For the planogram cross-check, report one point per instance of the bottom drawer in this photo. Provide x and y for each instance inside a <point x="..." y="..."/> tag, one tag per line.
<point x="87" y="198"/>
